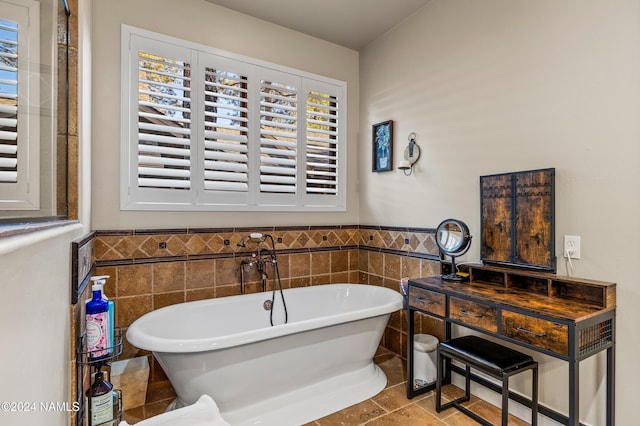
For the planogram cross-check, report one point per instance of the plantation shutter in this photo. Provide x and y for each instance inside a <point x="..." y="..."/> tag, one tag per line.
<point x="322" y="143"/>
<point x="226" y="128"/>
<point x="207" y="130"/>
<point x="278" y="139"/>
<point x="324" y="152"/>
<point x="160" y="164"/>
<point x="19" y="106"/>
<point x="8" y="102"/>
<point x="164" y="122"/>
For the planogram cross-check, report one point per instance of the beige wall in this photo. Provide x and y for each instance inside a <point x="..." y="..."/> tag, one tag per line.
<point x="499" y="86"/>
<point x="205" y="23"/>
<point x="35" y="324"/>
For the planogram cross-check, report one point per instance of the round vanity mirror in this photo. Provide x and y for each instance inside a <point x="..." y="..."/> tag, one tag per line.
<point x="453" y="239"/>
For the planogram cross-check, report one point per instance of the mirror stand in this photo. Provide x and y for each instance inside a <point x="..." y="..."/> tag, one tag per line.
<point x="453" y="239"/>
<point x="453" y="276"/>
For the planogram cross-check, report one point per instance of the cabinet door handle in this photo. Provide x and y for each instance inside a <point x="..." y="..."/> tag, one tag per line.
<point x="421" y="299"/>
<point x="469" y="314"/>
<point x="524" y="330"/>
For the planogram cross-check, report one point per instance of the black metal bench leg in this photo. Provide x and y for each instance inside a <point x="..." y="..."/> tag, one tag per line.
<point x="505" y="399"/>
<point x="467" y="383"/>
<point x="438" y="382"/>
<point x="534" y="396"/>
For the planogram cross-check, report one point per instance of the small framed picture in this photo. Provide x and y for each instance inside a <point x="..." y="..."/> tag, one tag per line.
<point x="383" y="146"/>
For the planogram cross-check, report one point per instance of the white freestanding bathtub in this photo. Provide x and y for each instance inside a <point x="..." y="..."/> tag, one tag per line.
<point x="288" y="374"/>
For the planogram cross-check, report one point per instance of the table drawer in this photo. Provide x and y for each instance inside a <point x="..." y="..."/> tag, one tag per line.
<point x="472" y="313"/>
<point x="428" y="301"/>
<point x="535" y="331"/>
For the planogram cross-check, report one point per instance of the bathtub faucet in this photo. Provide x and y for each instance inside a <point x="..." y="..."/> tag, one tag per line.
<point x="261" y="267"/>
<point x="259" y="259"/>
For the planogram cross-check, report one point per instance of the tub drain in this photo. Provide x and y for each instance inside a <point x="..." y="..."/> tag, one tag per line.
<point x="267" y="305"/>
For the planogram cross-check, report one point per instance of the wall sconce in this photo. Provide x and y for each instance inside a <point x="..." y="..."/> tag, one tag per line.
<point x="411" y="155"/>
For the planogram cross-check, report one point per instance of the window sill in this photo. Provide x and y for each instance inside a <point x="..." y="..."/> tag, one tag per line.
<point x="13" y="229"/>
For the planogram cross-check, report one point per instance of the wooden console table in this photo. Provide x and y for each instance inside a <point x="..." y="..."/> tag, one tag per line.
<point x="567" y="318"/>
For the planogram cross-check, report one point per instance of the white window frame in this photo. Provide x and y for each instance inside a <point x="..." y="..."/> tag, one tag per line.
<point x="24" y="193"/>
<point x="133" y="197"/>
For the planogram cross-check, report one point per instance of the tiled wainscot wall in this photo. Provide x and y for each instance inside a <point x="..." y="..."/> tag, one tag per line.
<point x="150" y="269"/>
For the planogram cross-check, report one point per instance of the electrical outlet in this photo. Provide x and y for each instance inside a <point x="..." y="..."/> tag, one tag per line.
<point x="572" y="246"/>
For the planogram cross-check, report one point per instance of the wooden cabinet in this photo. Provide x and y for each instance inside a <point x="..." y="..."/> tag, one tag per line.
<point x="567" y="318"/>
<point x="517" y="211"/>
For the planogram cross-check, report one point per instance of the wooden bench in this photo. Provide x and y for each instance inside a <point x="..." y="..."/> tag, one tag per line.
<point x="491" y="358"/>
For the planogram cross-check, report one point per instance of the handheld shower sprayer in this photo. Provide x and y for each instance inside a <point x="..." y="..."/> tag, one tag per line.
<point x="257" y="237"/>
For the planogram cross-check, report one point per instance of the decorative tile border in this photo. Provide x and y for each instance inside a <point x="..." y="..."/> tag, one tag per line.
<point x="198" y="242"/>
<point x="138" y="246"/>
<point x="412" y="241"/>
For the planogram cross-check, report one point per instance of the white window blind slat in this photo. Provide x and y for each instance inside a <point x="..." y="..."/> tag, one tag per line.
<point x="278" y="170"/>
<point x="152" y="116"/>
<point x="291" y="189"/>
<point x="163" y="183"/>
<point x="282" y="153"/>
<point x="8" y="135"/>
<point x="282" y="161"/>
<point x="8" y="162"/>
<point x="213" y="185"/>
<point x="225" y="156"/>
<point x="322" y="191"/>
<point x="169" y="151"/>
<point x="170" y="140"/>
<point x="8" y="149"/>
<point x="226" y="165"/>
<point x="226" y="144"/>
<point x="8" y="176"/>
<point x="176" y="129"/>
<point x="8" y="109"/>
<point x="163" y="161"/>
<point x="277" y="142"/>
<point x="323" y="172"/>
<point x="165" y="173"/>
<point x="225" y="176"/>
<point x="9" y="122"/>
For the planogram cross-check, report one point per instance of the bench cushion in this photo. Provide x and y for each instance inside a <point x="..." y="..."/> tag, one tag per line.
<point x="488" y="354"/>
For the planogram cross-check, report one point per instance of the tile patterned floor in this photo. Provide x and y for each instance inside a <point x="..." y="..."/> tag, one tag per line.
<point x="388" y="408"/>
